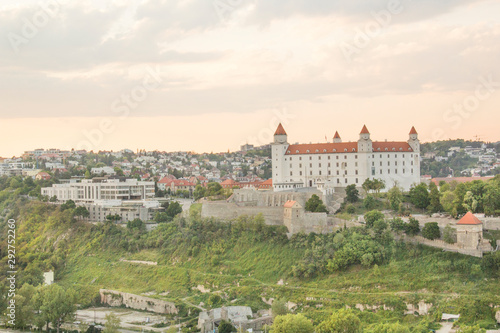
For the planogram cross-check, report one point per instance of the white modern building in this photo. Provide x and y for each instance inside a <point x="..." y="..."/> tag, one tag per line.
<point x="327" y="166"/>
<point x="89" y="190"/>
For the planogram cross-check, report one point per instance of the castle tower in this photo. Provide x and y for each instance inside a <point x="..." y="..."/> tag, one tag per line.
<point x="413" y="140"/>
<point x="364" y="142"/>
<point x="278" y="149"/>
<point x="336" y="138"/>
<point x="469" y="232"/>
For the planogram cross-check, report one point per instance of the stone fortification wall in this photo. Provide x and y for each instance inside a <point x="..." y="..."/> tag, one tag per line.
<point x="229" y="211"/>
<point x="137" y="302"/>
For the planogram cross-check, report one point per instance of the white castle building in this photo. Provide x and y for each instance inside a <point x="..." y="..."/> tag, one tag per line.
<point x="327" y="166"/>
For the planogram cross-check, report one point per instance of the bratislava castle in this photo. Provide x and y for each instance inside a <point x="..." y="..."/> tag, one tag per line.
<point x="327" y="166"/>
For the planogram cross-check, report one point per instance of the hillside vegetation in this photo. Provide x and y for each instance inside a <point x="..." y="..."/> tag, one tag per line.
<point x="243" y="261"/>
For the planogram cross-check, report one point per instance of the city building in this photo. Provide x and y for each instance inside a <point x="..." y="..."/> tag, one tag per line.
<point x="89" y="190"/>
<point x="327" y="166"/>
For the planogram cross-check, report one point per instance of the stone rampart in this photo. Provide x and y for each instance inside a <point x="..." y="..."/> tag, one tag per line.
<point x="137" y="302"/>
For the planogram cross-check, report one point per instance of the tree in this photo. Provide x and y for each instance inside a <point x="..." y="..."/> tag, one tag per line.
<point x="372" y="216"/>
<point x="395" y="197"/>
<point x="449" y="234"/>
<point x="419" y="196"/>
<point x="173" y="209"/>
<point x="341" y="321"/>
<point x="315" y="204"/>
<point x="70" y="204"/>
<point x="58" y="305"/>
<point x="470" y="202"/>
<point x="291" y="323"/>
<point x="81" y="212"/>
<point x="226" y="327"/>
<point x="446" y="201"/>
<point x="434" y="199"/>
<point x="397" y="224"/>
<point x="119" y="171"/>
<point x="391" y="328"/>
<point x="352" y="194"/>
<point x="369" y="202"/>
<point x="136" y="224"/>
<point x="113" y="218"/>
<point x="413" y="227"/>
<point x="199" y="192"/>
<point x="279" y="308"/>
<point x="431" y="231"/>
<point x="112" y="323"/>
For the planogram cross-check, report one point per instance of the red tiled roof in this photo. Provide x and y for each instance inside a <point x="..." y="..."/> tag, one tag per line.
<point x="469" y="219"/>
<point x="391" y="146"/>
<point x="346" y="147"/>
<point x="459" y="179"/>
<point x="229" y="182"/>
<point x="290" y="203"/>
<point x="280" y="130"/>
<point x="364" y="130"/>
<point x="337" y="136"/>
<point x="268" y="182"/>
<point x="322" y="148"/>
<point x="413" y="130"/>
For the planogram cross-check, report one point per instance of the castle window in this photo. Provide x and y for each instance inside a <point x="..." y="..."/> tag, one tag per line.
<point x="300" y="165"/>
<point x="329" y="165"/>
<point x="356" y="157"/>
<point x="329" y="156"/>
<point x="300" y="173"/>
<point x="338" y="181"/>
<point x="337" y="156"/>
<point x="356" y="164"/>
<point x="334" y="150"/>
<point x="317" y="150"/>
<point x="396" y="171"/>
<point x="337" y="164"/>
<point x="380" y="163"/>
<point x="320" y="165"/>
<point x="329" y="172"/>
<point x="337" y="172"/>
<point x="319" y="157"/>
<point x="346" y="180"/>
<point x="400" y="149"/>
<point x="394" y="149"/>
<point x="320" y="172"/>
<point x="307" y="151"/>
<point x="310" y="173"/>
<point x="356" y="171"/>
<point x="378" y="148"/>
<point x="356" y="180"/>
<point x="310" y="165"/>
<point x="388" y="163"/>
<point x="300" y="158"/>
<point x="386" y="148"/>
<point x="288" y="152"/>
<point x="345" y="149"/>
<point x="353" y="149"/>
<point x="345" y="157"/>
<point x="310" y="158"/>
<point x="324" y="150"/>
<point x="291" y="173"/>
<point x="297" y="151"/>
<point x="388" y="171"/>
<point x="404" y="171"/>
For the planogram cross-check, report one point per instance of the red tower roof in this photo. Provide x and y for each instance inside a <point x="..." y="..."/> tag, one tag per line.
<point x="469" y="219"/>
<point x="413" y="130"/>
<point x="280" y="130"/>
<point x="364" y="130"/>
<point x="337" y="136"/>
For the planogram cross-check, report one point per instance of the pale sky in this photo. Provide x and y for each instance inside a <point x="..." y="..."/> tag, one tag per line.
<point x="210" y="75"/>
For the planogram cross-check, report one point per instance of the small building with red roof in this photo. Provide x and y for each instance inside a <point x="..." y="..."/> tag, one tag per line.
<point x="469" y="232"/>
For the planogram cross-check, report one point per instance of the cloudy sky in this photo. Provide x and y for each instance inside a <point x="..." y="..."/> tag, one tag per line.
<point x="210" y="75"/>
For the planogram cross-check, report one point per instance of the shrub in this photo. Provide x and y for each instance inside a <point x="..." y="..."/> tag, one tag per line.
<point x="431" y="231"/>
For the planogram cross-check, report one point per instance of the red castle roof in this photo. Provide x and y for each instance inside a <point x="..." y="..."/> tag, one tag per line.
<point x="469" y="219"/>
<point x="280" y="130"/>
<point x="364" y="130"/>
